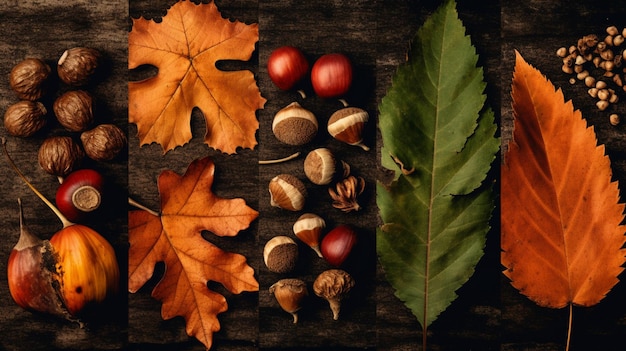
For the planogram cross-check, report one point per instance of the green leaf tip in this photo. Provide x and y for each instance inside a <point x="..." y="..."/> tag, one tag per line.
<point x="439" y="137"/>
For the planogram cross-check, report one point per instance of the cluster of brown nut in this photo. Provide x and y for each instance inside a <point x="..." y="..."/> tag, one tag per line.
<point x="333" y="285"/>
<point x="598" y="62"/>
<point x="281" y="252"/>
<point x="73" y="110"/>
<point x="321" y="167"/>
<point x="296" y="126"/>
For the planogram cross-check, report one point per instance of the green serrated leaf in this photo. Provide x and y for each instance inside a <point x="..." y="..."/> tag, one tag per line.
<point x="439" y="138"/>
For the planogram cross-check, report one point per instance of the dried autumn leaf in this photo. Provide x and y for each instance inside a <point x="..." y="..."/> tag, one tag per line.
<point x="439" y="138"/>
<point x="185" y="48"/>
<point x="174" y="237"/>
<point x="561" y="234"/>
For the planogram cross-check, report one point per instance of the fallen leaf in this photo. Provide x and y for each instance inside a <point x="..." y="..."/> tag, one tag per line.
<point x="439" y="138"/>
<point x="562" y="238"/>
<point x="189" y="207"/>
<point x="185" y="48"/>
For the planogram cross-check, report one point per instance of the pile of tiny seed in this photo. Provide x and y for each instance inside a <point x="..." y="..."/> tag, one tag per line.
<point x="597" y="62"/>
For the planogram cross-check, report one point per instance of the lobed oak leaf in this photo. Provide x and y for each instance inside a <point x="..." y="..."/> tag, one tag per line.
<point x="174" y="237"/>
<point x="185" y="48"/>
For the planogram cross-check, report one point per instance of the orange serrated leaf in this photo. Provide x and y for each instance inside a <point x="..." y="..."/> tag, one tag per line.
<point x="185" y="48"/>
<point x="562" y="237"/>
<point x="174" y="237"/>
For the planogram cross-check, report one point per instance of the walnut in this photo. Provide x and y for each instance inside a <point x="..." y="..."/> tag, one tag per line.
<point x="59" y="155"/>
<point x="77" y="65"/>
<point x="334" y="285"/>
<point x="74" y="110"/>
<point x="25" y="118"/>
<point x="28" y="78"/>
<point x="104" y="142"/>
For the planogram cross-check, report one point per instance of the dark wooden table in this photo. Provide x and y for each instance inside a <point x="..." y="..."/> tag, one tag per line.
<point x="488" y="315"/>
<point x="45" y="30"/>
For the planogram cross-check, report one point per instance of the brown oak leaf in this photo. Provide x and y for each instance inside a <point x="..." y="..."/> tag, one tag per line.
<point x="185" y="48"/>
<point x="188" y="207"/>
<point x="562" y="237"/>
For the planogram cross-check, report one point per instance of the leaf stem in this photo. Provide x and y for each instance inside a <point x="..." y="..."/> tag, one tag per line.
<point x="66" y="222"/>
<point x="142" y="207"/>
<point x="569" y="326"/>
<point x="290" y="157"/>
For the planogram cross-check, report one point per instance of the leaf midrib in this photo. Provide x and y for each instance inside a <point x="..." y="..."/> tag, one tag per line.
<point x="432" y="181"/>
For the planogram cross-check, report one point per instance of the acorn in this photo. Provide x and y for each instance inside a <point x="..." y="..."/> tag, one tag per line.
<point x="280" y="254"/>
<point x="287" y="192"/>
<point x="347" y="125"/>
<point x="320" y="166"/>
<point x="290" y="294"/>
<point x="309" y="228"/>
<point x="294" y="125"/>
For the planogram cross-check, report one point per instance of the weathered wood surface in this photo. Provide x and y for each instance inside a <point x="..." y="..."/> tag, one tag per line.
<point x="488" y="315"/>
<point x="44" y="29"/>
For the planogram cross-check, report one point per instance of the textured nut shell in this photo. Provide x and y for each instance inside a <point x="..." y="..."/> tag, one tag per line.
<point x="333" y="285"/>
<point x="295" y="125"/>
<point x="59" y="155"/>
<point x="280" y="254"/>
<point x="28" y="77"/>
<point x="289" y="293"/>
<point x="347" y="125"/>
<point x="74" y="110"/>
<point x="77" y="65"/>
<point x="25" y="118"/>
<point x="104" y="142"/>
<point x="309" y="228"/>
<point x="287" y="192"/>
<point x="320" y="166"/>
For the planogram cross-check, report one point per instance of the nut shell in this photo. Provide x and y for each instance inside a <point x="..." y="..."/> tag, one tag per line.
<point x="59" y="155"/>
<point x="76" y="66"/>
<point x="104" y="142"/>
<point x="347" y="125"/>
<point x="295" y="125"/>
<point x="280" y="254"/>
<point x="334" y="285"/>
<point x="309" y="228"/>
<point x="25" y="118"/>
<point x="74" y="110"/>
<point x="320" y="166"/>
<point x="28" y="78"/>
<point x="287" y="192"/>
<point x="290" y="293"/>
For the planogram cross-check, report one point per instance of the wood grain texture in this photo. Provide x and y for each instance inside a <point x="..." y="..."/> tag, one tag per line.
<point x="488" y="315"/>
